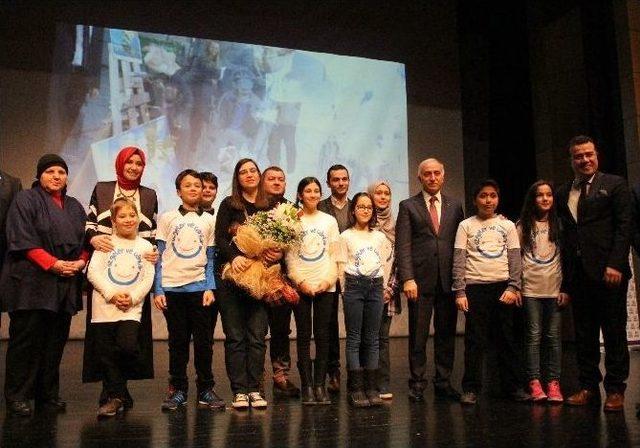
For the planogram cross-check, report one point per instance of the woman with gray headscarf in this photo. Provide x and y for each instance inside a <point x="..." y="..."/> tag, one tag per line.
<point x="380" y="191"/>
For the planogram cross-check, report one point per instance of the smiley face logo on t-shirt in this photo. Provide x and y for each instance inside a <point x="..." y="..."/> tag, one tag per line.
<point x="542" y="251"/>
<point x="187" y="241"/>
<point x="124" y="267"/>
<point x="491" y="241"/>
<point x="313" y="245"/>
<point x="367" y="261"/>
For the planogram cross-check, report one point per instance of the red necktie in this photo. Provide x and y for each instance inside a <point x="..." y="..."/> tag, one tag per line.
<point x="434" y="214"/>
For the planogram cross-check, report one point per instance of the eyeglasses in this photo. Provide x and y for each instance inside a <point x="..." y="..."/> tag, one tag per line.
<point x="367" y="208"/>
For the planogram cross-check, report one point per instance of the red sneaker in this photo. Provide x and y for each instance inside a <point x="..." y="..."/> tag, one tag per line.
<point x="535" y="388"/>
<point x="553" y="392"/>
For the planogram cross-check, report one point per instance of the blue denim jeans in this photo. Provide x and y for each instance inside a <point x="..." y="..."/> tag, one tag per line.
<point x="543" y="322"/>
<point x="363" y="305"/>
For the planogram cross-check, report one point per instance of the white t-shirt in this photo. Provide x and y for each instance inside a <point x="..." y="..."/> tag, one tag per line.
<point x="486" y="243"/>
<point x="122" y="270"/>
<point x="365" y="252"/>
<point x="315" y="259"/>
<point x="541" y="268"/>
<point x="185" y="255"/>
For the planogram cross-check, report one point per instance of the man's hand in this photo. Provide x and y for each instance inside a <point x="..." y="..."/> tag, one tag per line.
<point x="160" y="302"/>
<point x="462" y="303"/>
<point x="509" y="297"/>
<point x="612" y="277"/>
<point x="563" y="299"/>
<point x="410" y="289"/>
<point x="151" y="257"/>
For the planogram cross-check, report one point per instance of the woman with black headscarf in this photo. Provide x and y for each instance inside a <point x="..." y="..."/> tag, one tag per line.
<point x="41" y="285"/>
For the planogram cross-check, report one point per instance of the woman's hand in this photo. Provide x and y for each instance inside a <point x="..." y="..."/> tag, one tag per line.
<point x="240" y="264"/>
<point x="272" y="256"/>
<point x="102" y="243"/>
<point x="208" y="298"/>
<point x="324" y="286"/>
<point x="509" y="297"/>
<point x="151" y="257"/>
<point x="386" y="296"/>
<point x="66" y="268"/>
<point x="160" y="302"/>
<point x="463" y="304"/>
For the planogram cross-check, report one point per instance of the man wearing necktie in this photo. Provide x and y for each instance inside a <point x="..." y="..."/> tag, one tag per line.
<point x="595" y="215"/>
<point x="425" y="233"/>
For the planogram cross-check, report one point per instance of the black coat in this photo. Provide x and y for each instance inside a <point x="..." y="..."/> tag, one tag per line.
<point x="36" y="221"/>
<point x="601" y="237"/>
<point x="420" y="253"/>
<point x="9" y="187"/>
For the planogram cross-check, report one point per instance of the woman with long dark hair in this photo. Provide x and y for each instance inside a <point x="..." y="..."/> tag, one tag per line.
<point x="244" y="319"/>
<point x="313" y="268"/>
<point x="539" y="231"/>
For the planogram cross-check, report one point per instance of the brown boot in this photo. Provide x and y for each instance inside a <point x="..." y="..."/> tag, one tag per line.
<point x="583" y="397"/>
<point x="614" y="402"/>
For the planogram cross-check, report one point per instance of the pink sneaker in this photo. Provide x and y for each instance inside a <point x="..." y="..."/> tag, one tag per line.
<point x="553" y="390"/>
<point x="535" y="388"/>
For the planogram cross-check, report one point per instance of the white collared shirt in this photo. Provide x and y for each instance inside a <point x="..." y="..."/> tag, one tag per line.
<point x="574" y="196"/>
<point x="438" y="203"/>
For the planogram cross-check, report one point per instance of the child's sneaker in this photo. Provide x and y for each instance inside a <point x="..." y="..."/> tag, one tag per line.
<point x="175" y="398"/>
<point x="209" y="398"/>
<point x="553" y="392"/>
<point x="535" y="388"/>
<point x="257" y="401"/>
<point x="240" y="401"/>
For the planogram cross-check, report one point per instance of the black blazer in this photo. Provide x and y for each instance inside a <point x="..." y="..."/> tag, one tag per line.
<point x="635" y="215"/>
<point x="9" y="187"/>
<point x="421" y="254"/>
<point x="601" y="237"/>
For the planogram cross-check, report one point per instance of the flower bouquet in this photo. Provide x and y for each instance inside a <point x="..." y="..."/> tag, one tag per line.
<point x="278" y="228"/>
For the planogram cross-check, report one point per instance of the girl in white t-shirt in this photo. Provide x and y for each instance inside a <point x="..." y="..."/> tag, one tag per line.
<point x="313" y="268"/>
<point x="121" y="280"/>
<point x="486" y="279"/>
<point x="538" y="230"/>
<point x="364" y="252"/>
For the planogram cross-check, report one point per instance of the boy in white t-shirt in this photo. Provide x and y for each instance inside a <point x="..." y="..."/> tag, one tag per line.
<point x="184" y="287"/>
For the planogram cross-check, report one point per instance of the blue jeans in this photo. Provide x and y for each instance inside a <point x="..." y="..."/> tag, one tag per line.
<point x="543" y="321"/>
<point x="363" y="305"/>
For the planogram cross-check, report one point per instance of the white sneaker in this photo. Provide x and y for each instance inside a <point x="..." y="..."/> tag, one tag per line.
<point x="240" y="401"/>
<point x="257" y="401"/>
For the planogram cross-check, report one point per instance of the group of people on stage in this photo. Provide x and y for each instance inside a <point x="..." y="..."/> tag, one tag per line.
<point x="570" y="244"/>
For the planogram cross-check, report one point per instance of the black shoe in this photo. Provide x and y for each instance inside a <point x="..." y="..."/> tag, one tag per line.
<point x="358" y="399"/>
<point x="447" y="392"/>
<point x="334" y="382"/>
<point x="54" y="404"/>
<point x="371" y="388"/>
<point x="416" y="395"/>
<point x="306" y="395"/>
<point x="19" y="408"/>
<point x="520" y="395"/>
<point x="320" y="392"/>
<point x="127" y="400"/>
<point x="285" y="388"/>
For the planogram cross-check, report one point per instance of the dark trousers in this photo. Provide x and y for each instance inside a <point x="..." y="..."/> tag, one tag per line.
<point x="334" y="335"/>
<point x="489" y="323"/>
<point x="312" y="316"/>
<point x="36" y="343"/>
<point x="118" y="347"/>
<point x="383" y="344"/>
<point x="596" y="307"/>
<point x="186" y="316"/>
<point x="444" y="322"/>
<point x="363" y="306"/>
<point x="279" y="351"/>
<point x="245" y="323"/>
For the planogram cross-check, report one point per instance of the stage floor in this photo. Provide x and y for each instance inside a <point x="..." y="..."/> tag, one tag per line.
<point x="400" y="423"/>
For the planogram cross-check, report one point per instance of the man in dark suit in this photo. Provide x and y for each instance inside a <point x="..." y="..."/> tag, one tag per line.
<point x="337" y="205"/>
<point x="425" y="233"/>
<point x="595" y="213"/>
<point x="9" y="187"/>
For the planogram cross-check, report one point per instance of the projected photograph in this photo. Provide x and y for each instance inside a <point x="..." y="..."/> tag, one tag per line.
<point x="204" y="104"/>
